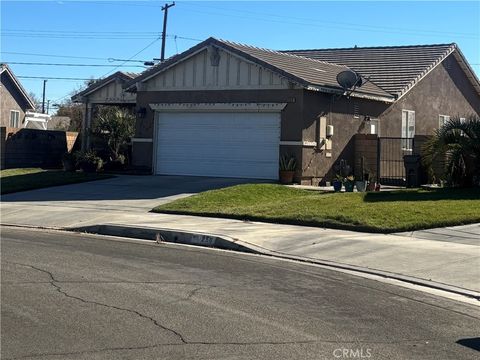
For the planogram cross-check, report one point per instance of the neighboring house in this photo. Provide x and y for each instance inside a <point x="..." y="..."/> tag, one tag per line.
<point x="14" y="100"/>
<point x="226" y="109"/>
<point x="108" y="91"/>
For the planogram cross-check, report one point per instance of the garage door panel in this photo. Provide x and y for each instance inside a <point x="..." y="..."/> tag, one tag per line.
<point x="218" y="144"/>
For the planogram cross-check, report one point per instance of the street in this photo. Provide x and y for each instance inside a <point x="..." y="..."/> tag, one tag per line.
<point x="76" y="296"/>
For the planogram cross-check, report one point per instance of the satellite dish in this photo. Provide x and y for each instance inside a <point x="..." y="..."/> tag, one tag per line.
<point x="348" y="79"/>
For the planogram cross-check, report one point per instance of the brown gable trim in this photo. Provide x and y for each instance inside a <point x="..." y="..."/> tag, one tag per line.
<point x="130" y="86"/>
<point x="21" y="90"/>
<point x="427" y="71"/>
<point x="98" y="84"/>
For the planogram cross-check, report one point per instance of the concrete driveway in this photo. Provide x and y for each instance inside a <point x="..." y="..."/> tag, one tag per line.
<point x="63" y="205"/>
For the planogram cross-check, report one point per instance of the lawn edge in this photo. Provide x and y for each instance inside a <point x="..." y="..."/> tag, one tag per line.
<point x="327" y="224"/>
<point x="102" y="177"/>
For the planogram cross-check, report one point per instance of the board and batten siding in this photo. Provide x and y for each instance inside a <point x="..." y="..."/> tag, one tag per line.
<point x="232" y="73"/>
<point x="112" y="92"/>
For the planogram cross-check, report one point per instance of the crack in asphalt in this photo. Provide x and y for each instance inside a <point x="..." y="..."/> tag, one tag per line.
<point x="246" y="343"/>
<point x="54" y="282"/>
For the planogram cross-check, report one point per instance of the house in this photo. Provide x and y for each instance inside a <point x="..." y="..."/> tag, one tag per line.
<point x="14" y="100"/>
<point x="230" y="110"/>
<point x="107" y="91"/>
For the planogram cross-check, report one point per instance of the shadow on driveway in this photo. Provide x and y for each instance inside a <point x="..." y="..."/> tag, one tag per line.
<point x="127" y="187"/>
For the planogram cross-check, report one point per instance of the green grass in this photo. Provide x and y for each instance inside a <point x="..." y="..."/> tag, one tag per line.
<point x="14" y="180"/>
<point x="373" y="212"/>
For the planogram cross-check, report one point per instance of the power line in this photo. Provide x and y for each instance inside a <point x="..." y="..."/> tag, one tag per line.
<point x="53" y="78"/>
<point x="64" y="64"/>
<point x="323" y="21"/>
<point x="131" y="57"/>
<point x="70" y="56"/>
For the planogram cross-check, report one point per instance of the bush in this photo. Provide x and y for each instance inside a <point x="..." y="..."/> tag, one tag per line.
<point x="115" y="164"/>
<point x="89" y="161"/>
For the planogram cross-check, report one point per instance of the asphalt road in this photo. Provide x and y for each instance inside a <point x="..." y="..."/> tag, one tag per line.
<point x="73" y="296"/>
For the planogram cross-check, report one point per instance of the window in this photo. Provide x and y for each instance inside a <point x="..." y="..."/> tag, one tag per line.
<point x="14" y="118"/>
<point x="374" y="130"/>
<point x="442" y="120"/>
<point x="408" y="129"/>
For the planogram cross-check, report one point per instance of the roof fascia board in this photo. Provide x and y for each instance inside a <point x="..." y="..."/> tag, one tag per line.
<point x="473" y="77"/>
<point x="416" y="81"/>
<point x="353" y="94"/>
<point x="235" y="52"/>
<point x="19" y="86"/>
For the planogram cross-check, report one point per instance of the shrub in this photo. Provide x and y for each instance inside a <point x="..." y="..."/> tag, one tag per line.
<point x="89" y="161"/>
<point x="115" y="164"/>
<point x="69" y="161"/>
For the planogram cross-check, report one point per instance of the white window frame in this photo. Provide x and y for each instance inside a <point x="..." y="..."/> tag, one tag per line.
<point x="442" y="120"/>
<point x="376" y="124"/>
<point x="14" y="120"/>
<point x="408" y="129"/>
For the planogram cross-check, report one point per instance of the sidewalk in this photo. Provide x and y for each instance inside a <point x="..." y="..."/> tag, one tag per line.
<point x="448" y="256"/>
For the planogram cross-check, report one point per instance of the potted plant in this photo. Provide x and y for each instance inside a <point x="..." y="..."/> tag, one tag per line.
<point x="349" y="183"/>
<point x="361" y="183"/>
<point x="287" y="169"/>
<point x="337" y="183"/>
<point x="89" y="162"/>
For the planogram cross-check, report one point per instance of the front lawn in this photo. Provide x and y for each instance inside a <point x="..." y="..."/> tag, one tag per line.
<point x="394" y="211"/>
<point x="14" y="180"/>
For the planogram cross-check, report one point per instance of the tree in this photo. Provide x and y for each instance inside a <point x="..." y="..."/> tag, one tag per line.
<point x="36" y="100"/>
<point x="74" y="112"/>
<point x="115" y="125"/>
<point x="456" y="148"/>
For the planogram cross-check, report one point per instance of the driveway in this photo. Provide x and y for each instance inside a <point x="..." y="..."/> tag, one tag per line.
<point x="64" y="205"/>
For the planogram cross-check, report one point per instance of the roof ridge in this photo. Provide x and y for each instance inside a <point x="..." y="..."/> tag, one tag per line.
<point x="372" y="47"/>
<point x="282" y="53"/>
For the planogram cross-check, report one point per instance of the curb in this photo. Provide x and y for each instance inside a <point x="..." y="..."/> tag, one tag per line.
<point x="228" y="243"/>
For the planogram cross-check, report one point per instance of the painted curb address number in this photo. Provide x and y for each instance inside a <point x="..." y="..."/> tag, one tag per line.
<point x="203" y="240"/>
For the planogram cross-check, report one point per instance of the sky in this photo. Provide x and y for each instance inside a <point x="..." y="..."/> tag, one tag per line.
<point x="100" y="33"/>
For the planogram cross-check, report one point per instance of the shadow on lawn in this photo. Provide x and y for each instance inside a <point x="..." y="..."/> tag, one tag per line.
<point x="424" y="195"/>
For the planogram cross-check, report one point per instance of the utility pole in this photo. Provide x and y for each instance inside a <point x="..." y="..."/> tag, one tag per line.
<point x="48" y="105"/>
<point x="164" y="33"/>
<point x="43" y="97"/>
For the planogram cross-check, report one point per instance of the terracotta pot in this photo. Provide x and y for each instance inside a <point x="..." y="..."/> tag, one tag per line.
<point x="286" y="177"/>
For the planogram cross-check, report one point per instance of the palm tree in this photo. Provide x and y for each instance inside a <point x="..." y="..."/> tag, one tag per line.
<point x="455" y="147"/>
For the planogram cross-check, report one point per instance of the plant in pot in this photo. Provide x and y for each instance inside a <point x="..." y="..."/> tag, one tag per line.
<point x="89" y="162"/>
<point x="349" y="183"/>
<point x="338" y="182"/>
<point x="361" y="183"/>
<point x="69" y="161"/>
<point x="287" y="169"/>
<point x="371" y="183"/>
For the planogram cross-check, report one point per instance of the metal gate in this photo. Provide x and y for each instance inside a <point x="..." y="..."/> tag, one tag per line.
<point x="390" y="164"/>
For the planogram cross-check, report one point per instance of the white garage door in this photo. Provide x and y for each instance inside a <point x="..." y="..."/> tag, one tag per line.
<point x="243" y="145"/>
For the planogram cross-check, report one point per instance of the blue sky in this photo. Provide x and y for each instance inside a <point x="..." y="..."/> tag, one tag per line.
<point x="102" y="30"/>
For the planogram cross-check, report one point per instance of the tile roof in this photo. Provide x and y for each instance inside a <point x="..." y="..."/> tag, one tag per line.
<point x="394" y="68"/>
<point x="311" y="71"/>
<point x="302" y="70"/>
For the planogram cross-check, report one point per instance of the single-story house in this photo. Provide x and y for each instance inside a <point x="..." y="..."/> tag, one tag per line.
<point x="107" y="91"/>
<point x="14" y="100"/>
<point x="230" y="110"/>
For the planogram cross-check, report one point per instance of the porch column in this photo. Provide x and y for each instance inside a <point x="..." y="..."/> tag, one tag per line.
<point x="88" y="125"/>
